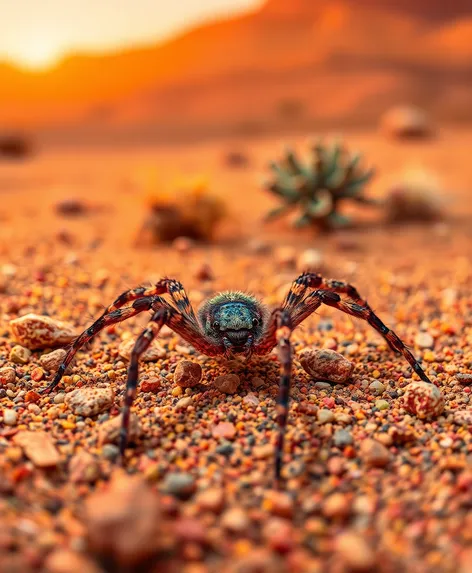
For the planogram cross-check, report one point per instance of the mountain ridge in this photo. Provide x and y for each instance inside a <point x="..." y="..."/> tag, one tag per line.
<point x="291" y="60"/>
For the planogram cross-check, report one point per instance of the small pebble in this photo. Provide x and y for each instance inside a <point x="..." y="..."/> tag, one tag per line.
<point x="184" y="403"/>
<point x="52" y="360"/>
<point x="110" y="452"/>
<point x="336" y="505"/>
<point x="251" y="399"/>
<point x="374" y="453"/>
<point x="310" y="260"/>
<point x="377" y="387"/>
<point x="181" y="485"/>
<point x="211" y="500"/>
<point x="325" y="416"/>
<point x="464" y="379"/>
<point x="20" y="354"/>
<point x="423" y="399"/>
<point x="187" y="374"/>
<point x="83" y="468"/>
<point x="279" y="503"/>
<point x="151" y="354"/>
<point x="463" y="417"/>
<point x="227" y="383"/>
<point x="355" y="552"/>
<point x="326" y="365"/>
<point x="7" y="376"/>
<point x="109" y="431"/>
<point x="424" y="340"/>
<point x="10" y="417"/>
<point x="235" y="520"/>
<point x="342" y="438"/>
<point x="224" y="430"/>
<point x="59" y="398"/>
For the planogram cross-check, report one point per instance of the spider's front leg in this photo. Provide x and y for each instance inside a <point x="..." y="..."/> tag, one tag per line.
<point x="107" y="319"/>
<point x="282" y="334"/>
<point x="278" y="333"/>
<point x="367" y="314"/>
<point x="158" y="319"/>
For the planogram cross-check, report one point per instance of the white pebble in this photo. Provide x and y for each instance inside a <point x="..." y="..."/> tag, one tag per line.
<point x="10" y="417"/>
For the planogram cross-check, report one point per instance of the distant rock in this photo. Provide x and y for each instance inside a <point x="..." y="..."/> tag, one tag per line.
<point x="407" y="122"/>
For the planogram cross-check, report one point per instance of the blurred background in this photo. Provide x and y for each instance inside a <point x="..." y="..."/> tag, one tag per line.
<point x="120" y="71"/>
<point x="122" y="100"/>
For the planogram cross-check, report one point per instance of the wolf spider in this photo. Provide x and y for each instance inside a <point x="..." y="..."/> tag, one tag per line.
<point x="232" y="323"/>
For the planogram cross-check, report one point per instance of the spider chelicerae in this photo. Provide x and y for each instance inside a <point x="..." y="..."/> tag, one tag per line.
<point x="232" y="323"/>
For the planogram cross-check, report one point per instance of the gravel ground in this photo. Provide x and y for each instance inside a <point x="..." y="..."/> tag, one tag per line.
<point x="368" y="486"/>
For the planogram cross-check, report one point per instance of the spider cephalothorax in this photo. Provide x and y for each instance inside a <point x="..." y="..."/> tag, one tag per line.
<point x="234" y="319"/>
<point x="232" y="323"/>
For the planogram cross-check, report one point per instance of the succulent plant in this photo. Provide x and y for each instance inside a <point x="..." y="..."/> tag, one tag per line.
<point x="318" y="187"/>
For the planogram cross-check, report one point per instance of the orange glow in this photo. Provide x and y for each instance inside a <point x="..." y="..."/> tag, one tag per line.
<point x="38" y="57"/>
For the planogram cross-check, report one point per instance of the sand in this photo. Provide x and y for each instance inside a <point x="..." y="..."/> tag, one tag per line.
<point x="367" y="485"/>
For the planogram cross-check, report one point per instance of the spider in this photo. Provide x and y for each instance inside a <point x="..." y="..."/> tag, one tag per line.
<point x="231" y="323"/>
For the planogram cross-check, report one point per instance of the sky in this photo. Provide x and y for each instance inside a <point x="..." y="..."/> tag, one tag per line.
<point x="36" y="34"/>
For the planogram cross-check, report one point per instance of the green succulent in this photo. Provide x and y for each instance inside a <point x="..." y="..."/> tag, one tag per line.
<point x="317" y="188"/>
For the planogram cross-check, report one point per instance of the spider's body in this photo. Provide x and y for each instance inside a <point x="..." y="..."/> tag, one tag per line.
<point x="232" y="323"/>
<point x="235" y="320"/>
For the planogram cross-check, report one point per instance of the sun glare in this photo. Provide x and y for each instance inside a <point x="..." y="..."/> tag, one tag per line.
<point x="37" y="57"/>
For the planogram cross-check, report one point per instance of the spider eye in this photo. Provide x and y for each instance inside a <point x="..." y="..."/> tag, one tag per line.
<point x="216" y="324"/>
<point x="255" y="322"/>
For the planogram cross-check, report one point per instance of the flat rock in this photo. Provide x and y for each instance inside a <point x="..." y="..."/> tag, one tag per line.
<point x="152" y="354"/>
<point x="88" y="402"/>
<point x="38" y="447"/>
<point x="109" y="431"/>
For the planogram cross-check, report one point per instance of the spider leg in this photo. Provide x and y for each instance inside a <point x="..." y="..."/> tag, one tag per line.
<point x="367" y="314"/>
<point x="112" y="317"/>
<point x="283" y="332"/>
<point x="302" y="301"/>
<point x="342" y="287"/>
<point x="170" y="286"/>
<point x="180" y="324"/>
<point x="159" y="318"/>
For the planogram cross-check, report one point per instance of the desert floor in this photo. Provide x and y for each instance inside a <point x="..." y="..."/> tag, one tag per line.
<point x="197" y="491"/>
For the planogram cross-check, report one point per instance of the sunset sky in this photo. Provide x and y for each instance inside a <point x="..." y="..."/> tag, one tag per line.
<point x="37" y="33"/>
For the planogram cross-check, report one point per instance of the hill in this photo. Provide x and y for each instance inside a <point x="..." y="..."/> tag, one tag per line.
<point x="292" y="63"/>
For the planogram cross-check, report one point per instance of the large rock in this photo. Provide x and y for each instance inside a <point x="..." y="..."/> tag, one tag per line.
<point x="125" y="523"/>
<point x="35" y="331"/>
<point x="406" y="122"/>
